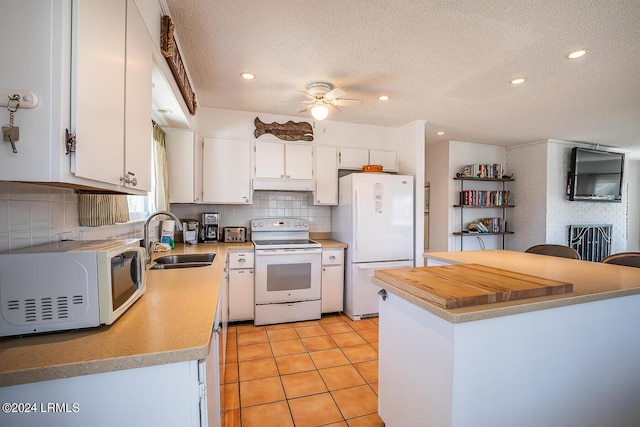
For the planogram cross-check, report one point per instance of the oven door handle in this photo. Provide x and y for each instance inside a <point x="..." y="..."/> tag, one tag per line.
<point x="289" y="252"/>
<point x="382" y="265"/>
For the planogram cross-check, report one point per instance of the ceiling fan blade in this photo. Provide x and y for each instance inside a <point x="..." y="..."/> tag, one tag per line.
<point x="298" y="101"/>
<point x="306" y="108"/>
<point x="346" y="102"/>
<point x="334" y="106"/>
<point x="334" y="93"/>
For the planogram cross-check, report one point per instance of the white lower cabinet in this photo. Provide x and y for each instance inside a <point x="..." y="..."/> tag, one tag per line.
<point x="241" y="299"/>
<point x="185" y="394"/>
<point x="332" y="280"/>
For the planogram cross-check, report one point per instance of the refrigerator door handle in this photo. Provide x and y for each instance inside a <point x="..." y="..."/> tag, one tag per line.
<point x="382" y="265"/>
<point x="357" y="221"/>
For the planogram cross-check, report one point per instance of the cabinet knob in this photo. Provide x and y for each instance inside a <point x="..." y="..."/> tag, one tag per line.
<point x="332" y="257"/>
<point x="383" y="294"/>
<point x="129" y="178"/>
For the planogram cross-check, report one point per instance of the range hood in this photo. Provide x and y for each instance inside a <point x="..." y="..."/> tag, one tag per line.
<point x="284" y="184"/>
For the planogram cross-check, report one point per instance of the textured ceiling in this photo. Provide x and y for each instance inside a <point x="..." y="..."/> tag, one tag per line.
<point x="446" y="62"/>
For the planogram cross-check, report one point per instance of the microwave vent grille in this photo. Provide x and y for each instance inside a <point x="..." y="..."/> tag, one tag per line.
<point x="46" y="309"/>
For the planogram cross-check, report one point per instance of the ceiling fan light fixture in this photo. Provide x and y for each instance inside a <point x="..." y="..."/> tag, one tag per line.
<point x="319" y="111"/>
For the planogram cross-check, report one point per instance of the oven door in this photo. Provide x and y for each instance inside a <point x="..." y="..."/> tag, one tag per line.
<point x="287" y="275"/>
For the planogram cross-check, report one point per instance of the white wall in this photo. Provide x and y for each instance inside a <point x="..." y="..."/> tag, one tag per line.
<point x="443" y="162"/>
<point x="411" y="148"/>
<point x="240" y="124"/>
<point x="633" y="205"/>
<point x="528" y="163"/>
<point x="437" y="174"/>
<point x="543" y="213"/>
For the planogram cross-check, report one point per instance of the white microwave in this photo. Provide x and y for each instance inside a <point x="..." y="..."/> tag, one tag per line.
<point x="69" y="285"/>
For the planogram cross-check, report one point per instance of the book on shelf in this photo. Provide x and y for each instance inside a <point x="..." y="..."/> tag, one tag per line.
<point x="488" y="225"/>
<point x="483" y="171"/>
<point x="484" y="198"/>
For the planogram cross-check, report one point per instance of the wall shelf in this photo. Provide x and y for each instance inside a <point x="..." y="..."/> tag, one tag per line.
<point x="482" y="199"/>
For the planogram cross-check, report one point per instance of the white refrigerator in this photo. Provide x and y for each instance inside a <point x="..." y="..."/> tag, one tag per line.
<point x="375" y="218"/>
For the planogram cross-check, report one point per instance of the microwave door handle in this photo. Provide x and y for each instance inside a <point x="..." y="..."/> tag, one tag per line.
<point x="134" y="270"/>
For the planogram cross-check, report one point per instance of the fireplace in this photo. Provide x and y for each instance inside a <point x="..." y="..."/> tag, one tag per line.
<point x="592" y="241"/>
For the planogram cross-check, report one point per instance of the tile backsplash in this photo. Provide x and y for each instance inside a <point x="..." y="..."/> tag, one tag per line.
<point x="266" y="204"/>
<point x="33" y="214"/>
<point x="36" y="214"/>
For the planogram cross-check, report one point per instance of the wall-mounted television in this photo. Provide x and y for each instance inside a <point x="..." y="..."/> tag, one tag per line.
<point x="595" y="175"/>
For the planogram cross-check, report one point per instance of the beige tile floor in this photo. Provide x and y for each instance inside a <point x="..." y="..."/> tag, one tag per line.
<point x="302" y="374"/>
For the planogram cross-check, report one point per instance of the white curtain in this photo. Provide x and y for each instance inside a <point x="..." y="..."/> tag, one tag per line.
<point x="160" y="170"/>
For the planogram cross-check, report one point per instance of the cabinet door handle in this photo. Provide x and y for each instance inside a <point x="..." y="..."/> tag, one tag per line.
<point x="383" y="294"/>
<point x="332" y="257"/>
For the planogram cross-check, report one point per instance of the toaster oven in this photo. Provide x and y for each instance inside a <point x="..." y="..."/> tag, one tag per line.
<point x="235" y="234"/>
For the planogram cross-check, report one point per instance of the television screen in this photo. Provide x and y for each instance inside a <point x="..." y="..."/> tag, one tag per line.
<point x="595" y="175"/>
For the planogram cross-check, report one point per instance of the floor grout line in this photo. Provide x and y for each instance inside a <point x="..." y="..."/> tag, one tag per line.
<point x="241" y="329"/>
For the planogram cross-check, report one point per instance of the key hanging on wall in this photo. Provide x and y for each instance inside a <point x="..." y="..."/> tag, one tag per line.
<point x="10" y="132"/>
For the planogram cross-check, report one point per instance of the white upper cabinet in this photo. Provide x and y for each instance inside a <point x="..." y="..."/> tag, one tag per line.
<point x="326" y="176"/>
<point x="298" y="161"/>
<point x="90" y="66"/>
<point x="353" y="158"/>
<point x="269" y="160"/>
<point x="388" y="160"/>
<point x="226" y="171"/>
<point x="180" y="161"/>
<point x="112" y="94"/>
<point x="98" y="85"/>
<point x="138" y="89"/>
<point x="277" y="160"/>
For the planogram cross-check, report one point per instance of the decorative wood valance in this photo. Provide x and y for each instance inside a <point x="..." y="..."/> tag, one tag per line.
<point x="290" y="131"/>
<point x="174" y="59"/>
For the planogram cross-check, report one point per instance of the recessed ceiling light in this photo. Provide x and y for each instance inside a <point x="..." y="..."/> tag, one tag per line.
<point x="440" y="132"/>
<point x="518" y="81"/>
<point x="579" y="53"/>
<point x="248" y="76"/>
<point x="164" y="111"/>
<point x="383" y="98"/>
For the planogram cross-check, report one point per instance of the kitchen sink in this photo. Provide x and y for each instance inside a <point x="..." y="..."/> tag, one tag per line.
<point x="183" y="261"/>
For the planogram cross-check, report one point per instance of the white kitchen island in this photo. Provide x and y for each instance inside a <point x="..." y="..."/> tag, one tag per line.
<point x="560" y="360"/>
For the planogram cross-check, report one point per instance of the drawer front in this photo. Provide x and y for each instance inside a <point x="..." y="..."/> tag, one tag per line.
<point x="240" y="259"/>
<point x="332" y="256"/>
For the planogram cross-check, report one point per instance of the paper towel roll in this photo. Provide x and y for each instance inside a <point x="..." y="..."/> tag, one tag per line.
<point x="168" y="226"/>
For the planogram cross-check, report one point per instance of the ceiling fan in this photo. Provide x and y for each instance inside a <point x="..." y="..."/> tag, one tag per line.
<point x="323" y="95"/>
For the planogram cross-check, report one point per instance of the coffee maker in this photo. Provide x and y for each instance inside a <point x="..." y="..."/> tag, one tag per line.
<point x="209" y="227"/>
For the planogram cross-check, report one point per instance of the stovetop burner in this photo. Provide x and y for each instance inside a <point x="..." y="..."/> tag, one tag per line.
<point x="281" y="233"/>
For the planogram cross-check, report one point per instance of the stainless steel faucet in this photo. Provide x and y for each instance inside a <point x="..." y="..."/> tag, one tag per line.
<point x="147" y="242"/>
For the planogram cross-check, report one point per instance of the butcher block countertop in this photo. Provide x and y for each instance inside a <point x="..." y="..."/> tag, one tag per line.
<point x="589" y="281"/>
<point x="171" y="323"/>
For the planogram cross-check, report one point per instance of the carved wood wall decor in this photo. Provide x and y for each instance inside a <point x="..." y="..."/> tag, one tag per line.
<point x="290" y="131"/>
<point x="174" y="59"/>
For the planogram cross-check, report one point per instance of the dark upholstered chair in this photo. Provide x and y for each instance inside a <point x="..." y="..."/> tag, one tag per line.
<point x="630" y="259"/>
<point x="554" y="250"/>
